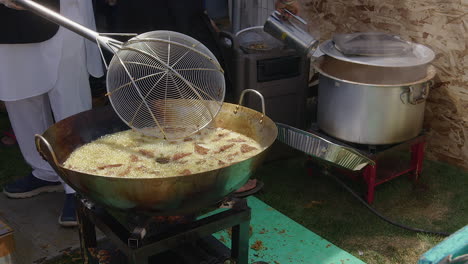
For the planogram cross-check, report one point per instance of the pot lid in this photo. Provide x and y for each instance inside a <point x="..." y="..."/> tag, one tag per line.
<point x="254" y="40"/>
<point x="377" y="49"/>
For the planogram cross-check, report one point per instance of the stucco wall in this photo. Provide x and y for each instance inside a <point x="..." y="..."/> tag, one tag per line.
<point x="441" y="25"/>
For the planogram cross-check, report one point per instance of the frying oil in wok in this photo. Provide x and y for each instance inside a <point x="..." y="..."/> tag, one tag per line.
<point x="134" y="155"/>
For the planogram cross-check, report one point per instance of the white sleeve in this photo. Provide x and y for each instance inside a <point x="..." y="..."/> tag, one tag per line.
<point x="93" y="56"/>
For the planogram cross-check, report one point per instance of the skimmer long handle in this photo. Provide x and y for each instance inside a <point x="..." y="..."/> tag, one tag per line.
<point x="69" y="24"/>
<point x="58" y="19"/>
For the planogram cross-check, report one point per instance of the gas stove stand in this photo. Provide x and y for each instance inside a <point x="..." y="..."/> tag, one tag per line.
<point x="391" y="161"/>
<point x="140" y="237"/>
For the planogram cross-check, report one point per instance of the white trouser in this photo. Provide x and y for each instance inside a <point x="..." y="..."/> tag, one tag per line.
<point x="70" y="95"/>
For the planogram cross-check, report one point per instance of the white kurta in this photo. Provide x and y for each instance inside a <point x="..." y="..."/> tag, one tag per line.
<point x="39" y="79"/>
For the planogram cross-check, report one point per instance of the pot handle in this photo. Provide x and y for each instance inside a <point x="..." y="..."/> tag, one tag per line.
<point x="230" y="37"/>
<point x="50" y="154"/>
<point x="241" y="100"/>
<point x="422" y="97"/>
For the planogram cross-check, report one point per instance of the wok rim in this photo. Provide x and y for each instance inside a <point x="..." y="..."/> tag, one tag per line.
<point x="243" y="108"/>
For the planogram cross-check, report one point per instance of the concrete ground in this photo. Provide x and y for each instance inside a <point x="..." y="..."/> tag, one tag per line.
<point x="37" y="234"/>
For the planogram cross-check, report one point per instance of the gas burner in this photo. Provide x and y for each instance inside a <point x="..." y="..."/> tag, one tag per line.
<point x="366" y="149"/>
<point x="142" y="239"/>
<point x="370" y="149"/>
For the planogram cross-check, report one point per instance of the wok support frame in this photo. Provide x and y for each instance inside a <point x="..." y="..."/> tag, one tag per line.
<point x="138" y="245"/>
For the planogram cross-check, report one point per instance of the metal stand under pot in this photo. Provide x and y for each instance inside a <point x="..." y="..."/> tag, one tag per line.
<point x="371" y="164"/>
<point x="389" y="162"/>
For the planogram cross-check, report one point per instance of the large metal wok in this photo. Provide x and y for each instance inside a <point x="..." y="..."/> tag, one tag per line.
<point x="163" y="196"/>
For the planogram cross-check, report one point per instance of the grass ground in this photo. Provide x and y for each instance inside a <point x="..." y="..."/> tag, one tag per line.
<point x="439" y="202"/>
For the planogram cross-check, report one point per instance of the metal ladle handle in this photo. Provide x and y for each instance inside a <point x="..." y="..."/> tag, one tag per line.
<point x="69" y="24"/>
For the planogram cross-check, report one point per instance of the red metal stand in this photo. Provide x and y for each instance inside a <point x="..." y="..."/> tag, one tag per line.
<point x="387" y="167"/>
<point x="417" y="157"/>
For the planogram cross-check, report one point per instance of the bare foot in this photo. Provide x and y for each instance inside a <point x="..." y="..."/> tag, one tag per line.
<point x="248" y="186"/>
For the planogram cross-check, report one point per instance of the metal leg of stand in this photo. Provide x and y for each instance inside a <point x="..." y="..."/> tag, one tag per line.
<point x="240" y="243"/>
<point x="417" y="158"/>
<point x="87" y="232"/>
<point x="370" y="173"/>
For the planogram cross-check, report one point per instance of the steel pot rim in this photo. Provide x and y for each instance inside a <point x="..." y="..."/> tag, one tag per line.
<point x="425" y="55"/>
<point x="431" y="72"/>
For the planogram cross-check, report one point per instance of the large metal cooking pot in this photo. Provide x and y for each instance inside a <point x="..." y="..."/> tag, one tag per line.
<point x="164" y="196"/>
<point x="370" y="112"/>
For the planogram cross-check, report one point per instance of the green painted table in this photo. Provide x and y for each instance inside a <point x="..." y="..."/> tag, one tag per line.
<point x="277" y="239"/>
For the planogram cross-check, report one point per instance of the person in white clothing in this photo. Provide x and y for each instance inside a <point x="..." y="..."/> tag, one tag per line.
<point x="42" y="83"/>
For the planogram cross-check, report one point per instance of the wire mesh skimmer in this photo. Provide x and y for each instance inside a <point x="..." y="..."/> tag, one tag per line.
<point x="161" y="83"/>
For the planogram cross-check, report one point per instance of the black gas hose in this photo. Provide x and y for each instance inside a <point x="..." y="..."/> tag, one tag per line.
<point x="380" y="215"/>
